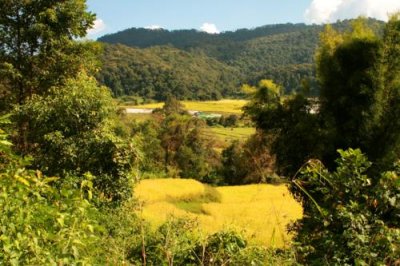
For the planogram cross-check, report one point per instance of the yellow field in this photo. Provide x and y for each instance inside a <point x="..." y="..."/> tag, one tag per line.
<point x="227" y="134"/>
<point x="262" y="212"/>
<point x="222" y="106"/>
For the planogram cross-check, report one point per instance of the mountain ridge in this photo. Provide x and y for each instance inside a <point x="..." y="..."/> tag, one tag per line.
<point x="282" y="52"/>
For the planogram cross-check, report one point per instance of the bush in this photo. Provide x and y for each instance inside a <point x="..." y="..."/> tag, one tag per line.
<point x="42" y="225"/>
<point x="71" y="131"/>
<point x="179" y="242"/>
<point x="249" y="162"/>
<point x="349" y="218"/>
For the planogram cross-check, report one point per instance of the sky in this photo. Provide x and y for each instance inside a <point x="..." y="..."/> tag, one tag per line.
<point x="215" y="16"/>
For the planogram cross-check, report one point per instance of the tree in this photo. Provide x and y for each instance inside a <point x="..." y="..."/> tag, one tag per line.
<point x="288" y="125"/>
<point x="351" y="207"/>
<point x="38" y="47"/>
<point x="186" y="148"/>
<point x="72" y="131"/>
<point x="384" y="147"/>
<point x="42" y="225"/>
<point x="249" y="162"/>
<point x="357" y="108"/>
<point x="347" y="67"/>
<point x="173" y="106"/>
<point x="39" y="50"/>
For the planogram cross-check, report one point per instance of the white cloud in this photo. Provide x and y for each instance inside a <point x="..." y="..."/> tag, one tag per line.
<point x="153" y="27"/>
<point x="97" y="27"/>
<point x="322" y="11"/>
<point x="209" y="28"/>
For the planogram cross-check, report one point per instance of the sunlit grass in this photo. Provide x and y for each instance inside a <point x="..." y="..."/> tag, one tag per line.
<point x="222" y="106"/>
<point x="262" y="211"/>
<point x="228" y="134"/>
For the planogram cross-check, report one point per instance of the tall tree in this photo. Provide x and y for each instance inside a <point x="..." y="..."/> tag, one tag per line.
<point x="37" y="44"/>
<point x="347" y="71"/>
<point x="385" y="123"/>
<point x="288" y="124"/>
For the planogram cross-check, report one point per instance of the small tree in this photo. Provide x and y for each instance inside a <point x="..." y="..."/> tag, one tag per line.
<point x="290" y="130"/>
<point x="71" y="132"/>
<point x="186" y="148"/>
<point x="249" y="162"/>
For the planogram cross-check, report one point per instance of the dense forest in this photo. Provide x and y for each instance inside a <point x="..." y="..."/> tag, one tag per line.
<point x="157" y="72"/>
<point x="283" y="53"/>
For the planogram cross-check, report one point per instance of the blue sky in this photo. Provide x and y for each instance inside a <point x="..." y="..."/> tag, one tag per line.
<point x="221" y="15"/>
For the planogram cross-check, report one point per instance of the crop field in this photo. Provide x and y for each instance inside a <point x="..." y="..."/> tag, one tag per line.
<point x="261" y="212"/>
<point x="228" y="134"/>
<point x="222" y="106"/>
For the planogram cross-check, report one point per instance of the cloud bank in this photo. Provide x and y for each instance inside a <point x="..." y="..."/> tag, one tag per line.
<point x="153" y="27"/>
<point x="97" y="27"/>
<point x="209" y="28"/>
<point x="323" y="11"/>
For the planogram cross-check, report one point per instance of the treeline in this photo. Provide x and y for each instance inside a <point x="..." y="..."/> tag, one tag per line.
<point x="157" y="72"/>
<point x="284" y="53"/>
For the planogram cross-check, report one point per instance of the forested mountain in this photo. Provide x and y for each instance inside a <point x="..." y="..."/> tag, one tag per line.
<point x="284" y="53"/>
<point x="156" y="72"/>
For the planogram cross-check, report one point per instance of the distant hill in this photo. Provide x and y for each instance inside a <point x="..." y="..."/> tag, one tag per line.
<point x="157" y="72"/>
<point x="283" y="52"/>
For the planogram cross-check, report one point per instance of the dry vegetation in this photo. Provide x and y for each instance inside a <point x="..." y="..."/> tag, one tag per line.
<point x="223" y="106"/>
<point x="264" y="210"/>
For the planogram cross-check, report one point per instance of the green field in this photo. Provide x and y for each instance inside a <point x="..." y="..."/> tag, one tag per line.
<point x="228" y="134"/>
<point x="222" y="106"/>
<point x="261" y="212"/>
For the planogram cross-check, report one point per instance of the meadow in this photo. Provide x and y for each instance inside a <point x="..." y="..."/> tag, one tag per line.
<point x="261" y="212"/>
<point x="226" y="106"/>
<point x="229" y="134"/>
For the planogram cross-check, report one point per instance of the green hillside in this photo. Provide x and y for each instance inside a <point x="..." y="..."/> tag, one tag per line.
<point x="159" y="71"/>
<point x="196" y="65"/>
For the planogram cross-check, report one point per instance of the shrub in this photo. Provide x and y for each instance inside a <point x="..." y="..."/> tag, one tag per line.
<point x="71" y="131"/>
<point x="39" y="224"/>
<point x="349" y="218"/>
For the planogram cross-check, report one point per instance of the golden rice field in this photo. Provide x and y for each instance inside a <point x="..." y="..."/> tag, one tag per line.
<point x="222" y="106"/>
<point x="228" y="134"/>
<point x="261" y="212"/>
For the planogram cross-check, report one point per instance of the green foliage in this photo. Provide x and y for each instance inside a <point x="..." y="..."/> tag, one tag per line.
<point x="359" y="92"/>
<point x="178" y="242"/>
<point x="150" y="145"/>
<point x="357" y="99"/>
<point x="71" y="131"/>
<point x="186" y="148"/>
<point x="385" y="124"/>
<point x="173" y="106"/>
<point x="347" y="67"/>
<point x="348" y="220"/>
<point x="159" y="72"/>
<point x="41" y="224"/>
<point x="289" y="128"/>
<point x="284" y="53"/>
<point x="37" y="45"/>
<point x="249" y="162"/>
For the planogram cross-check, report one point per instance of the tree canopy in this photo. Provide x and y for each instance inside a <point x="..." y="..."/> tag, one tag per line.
<point x="37" y="44"/>
<point x="283" y="53"/>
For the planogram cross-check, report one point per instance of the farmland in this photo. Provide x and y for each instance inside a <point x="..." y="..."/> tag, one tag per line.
<point x="263" y="210"/>
<point x="227" y="134"/>
<point x="225" y="106"/>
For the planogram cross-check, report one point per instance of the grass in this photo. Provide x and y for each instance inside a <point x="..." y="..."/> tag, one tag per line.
<point x="261" y="211"/>
<point x="222" y="106"/>
<point x="228" y="134"/>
